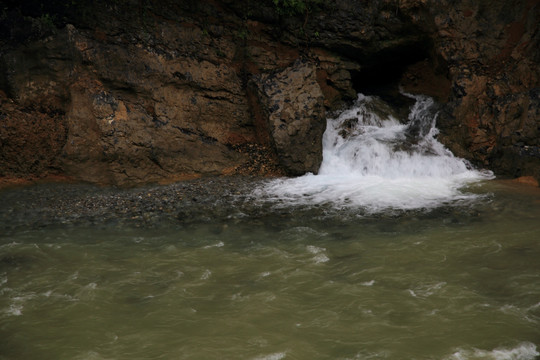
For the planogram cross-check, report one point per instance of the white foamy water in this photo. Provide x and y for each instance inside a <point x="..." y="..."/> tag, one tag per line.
<point x="275" y="356"/>
<point x="320" y="255"/>
<point x="524" y="351"/>
<point x="373" y="161"/>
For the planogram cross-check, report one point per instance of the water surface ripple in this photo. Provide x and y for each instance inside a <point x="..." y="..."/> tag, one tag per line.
<point x="202" y="270"/>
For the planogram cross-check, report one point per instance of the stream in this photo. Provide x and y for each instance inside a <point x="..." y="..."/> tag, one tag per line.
<point x="395" y="250"/>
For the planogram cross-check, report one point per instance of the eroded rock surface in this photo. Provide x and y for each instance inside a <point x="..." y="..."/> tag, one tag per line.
<point x="492" y="116"/>
<point x="293" y="106"/>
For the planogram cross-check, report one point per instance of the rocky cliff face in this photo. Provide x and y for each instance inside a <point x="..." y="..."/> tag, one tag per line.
<point x="134" y="91"/>
<point x="493" y="114"/>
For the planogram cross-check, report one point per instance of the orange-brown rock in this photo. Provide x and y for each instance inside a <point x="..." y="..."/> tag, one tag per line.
<point x="492" y="52"/>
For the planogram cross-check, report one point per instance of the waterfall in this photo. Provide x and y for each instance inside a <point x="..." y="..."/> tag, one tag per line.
<point x="374" y="161"/>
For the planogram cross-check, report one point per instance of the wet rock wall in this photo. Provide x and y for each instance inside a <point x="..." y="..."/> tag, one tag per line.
<point x="128" y="92"/>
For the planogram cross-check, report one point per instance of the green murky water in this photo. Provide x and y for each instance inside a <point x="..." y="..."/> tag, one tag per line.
<point x="457" y="283"/>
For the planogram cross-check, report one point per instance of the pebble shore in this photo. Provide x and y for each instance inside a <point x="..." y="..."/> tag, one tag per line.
<point x="60" y="203"/>
<point x="216" y="201"/>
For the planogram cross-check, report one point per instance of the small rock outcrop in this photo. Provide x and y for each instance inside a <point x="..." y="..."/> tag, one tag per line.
<point x="293" y="106"/>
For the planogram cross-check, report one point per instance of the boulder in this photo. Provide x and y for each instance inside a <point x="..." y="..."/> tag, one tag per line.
<point x="293" y="107"/>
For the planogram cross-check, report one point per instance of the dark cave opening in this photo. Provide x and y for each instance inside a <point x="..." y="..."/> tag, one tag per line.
<point x="382" y="72"/>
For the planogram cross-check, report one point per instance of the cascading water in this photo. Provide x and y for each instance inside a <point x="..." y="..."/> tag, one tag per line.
<point x="373" y="161"/>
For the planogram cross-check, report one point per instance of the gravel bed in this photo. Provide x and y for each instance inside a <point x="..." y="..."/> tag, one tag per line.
<point x="216" y="200"/>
